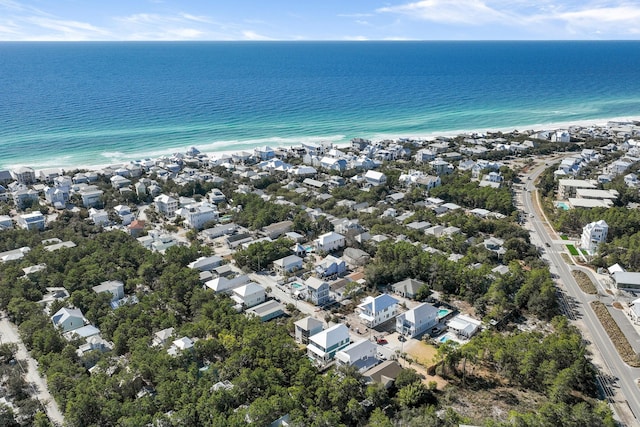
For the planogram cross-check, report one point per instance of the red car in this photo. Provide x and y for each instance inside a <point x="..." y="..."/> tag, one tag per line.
<point x="381" y="341"/>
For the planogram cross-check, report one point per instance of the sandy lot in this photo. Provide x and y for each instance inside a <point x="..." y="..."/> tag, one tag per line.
<point x="9" y="334"/>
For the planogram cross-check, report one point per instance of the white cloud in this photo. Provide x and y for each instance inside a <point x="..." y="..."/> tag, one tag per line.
<point x="68" y="30"/>
<point x="196" y="18"/>
<point x="544" y="18"/>
<point x="153" y="26"/>
<point x="470" y="12"/>
<point x="598" y="21"/>
<point x="252" y="35"/>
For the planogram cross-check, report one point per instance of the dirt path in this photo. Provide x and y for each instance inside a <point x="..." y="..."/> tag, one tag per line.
<point x="423" y="355"/>
<point x="9" y="334"/>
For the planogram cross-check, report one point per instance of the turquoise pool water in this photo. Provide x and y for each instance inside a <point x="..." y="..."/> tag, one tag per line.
<point x="563" y="206"/>
<point x="296" y="285"/>
<point x="443" y="312"/>
<point x="444" y="338"/>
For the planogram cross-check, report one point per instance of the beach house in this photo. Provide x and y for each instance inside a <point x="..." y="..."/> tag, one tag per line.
<point x="166" y="205"/>
<point x="306" y="327"/>
<point x="25" y="175"/>
<point x="114" y="287"/>
<point x="593" y="234"/>
<point x="417" y="321"/>
<point x="288" y="264"/>
<point x="318" y="290"/>
<point x="376" y="310"/>
<point x="196" y="215"/>
<point x="31" y="221"/>
<point x="375" y="178"/>
<point x="329" y="242"/>
<point x="324" y="345"/>
<point x="361" y="354"/>
<point x="249" y="295"/>
<point x="68" y="319"/>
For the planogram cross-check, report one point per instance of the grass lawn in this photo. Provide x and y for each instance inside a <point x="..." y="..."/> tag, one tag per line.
<point x="421" y="352"/>
<point x="572" y="250"/>
<point x="564" y="237"/>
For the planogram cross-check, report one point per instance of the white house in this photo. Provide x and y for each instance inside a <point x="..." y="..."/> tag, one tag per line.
<point x="375" y="178"/>
<point x="55" y="196"/>
<point x="329" y="242"/>
<point x="417" y="321"/>
<point x="307" y="327"/>
<point x="206" y="263"/>
<point x="361" y="354"/>
<point x="330" y="266"/>
<point x="24" y="198"/>
<point x="166" y="205"/>
<point x="593" y="234"/>
<point x="222" y="284"/>
<point x="376" y="310"/>
<point x="24" y="175"/>
<point x="161" y="337"/>
<point x="98" y="216"/>
<point x="196" y="215"/>
<point x="249" y="295"/>
<point x="180" y="345"/>
<point x="31" y="221"/>
<point x="288" y="264"/>
<point x="124" y="213"/>
<point x="68" y="319"/>
<point x="463" y="326"/>
<point x="91" y="197"/>
<point x="115" y="287"/>
<point x="264" y="153"/>
<point x="324" y="345"/>
<point x="561" y="136"/>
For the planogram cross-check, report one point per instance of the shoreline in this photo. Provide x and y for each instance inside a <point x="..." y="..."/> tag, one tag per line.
<point x="208" y="149"/>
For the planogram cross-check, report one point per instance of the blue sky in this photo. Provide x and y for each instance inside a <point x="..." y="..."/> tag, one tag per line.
<point x="318" y="20"/>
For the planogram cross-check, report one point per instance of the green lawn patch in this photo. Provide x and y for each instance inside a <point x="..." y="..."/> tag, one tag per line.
<point x="564" y="237"/>
<point x="572" y="250"/>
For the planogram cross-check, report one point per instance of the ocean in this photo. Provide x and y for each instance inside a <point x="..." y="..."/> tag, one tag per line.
<point x="83" y="104"/>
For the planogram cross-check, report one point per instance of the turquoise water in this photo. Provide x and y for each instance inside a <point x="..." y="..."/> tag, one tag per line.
<point x="563" y="206"/>
<point x="444" y="338"/>
<point x="66" y="104"/>
<point x="443" y="312"/>
<point x="296" y="285"/>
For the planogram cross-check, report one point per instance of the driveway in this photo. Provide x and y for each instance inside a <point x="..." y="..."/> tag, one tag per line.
<point x="9" y="334"/>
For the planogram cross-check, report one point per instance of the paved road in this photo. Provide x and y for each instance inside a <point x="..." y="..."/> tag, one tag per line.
<point x="282" y="293"/>
<point x="9" y="334"/>
<point x="614" y="372"/>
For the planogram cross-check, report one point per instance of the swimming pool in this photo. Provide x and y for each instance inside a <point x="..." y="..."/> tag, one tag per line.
<point x="295" y="285"/>
<point x="443" y="312"/>
<point x="444" y="338"/>
<point x="563" y="206"/>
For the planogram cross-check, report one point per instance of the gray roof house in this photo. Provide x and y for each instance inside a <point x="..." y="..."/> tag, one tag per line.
<point x="407" y="288"/>
<point x="304" y="328"/>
